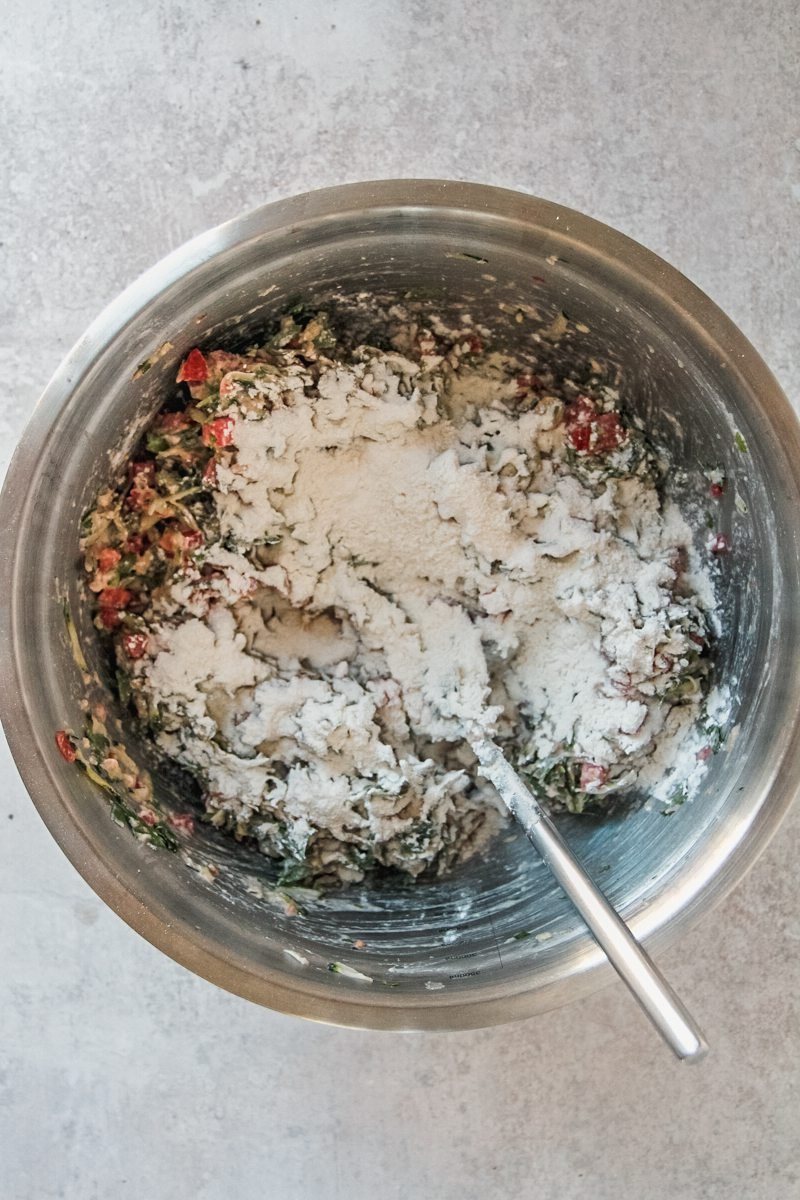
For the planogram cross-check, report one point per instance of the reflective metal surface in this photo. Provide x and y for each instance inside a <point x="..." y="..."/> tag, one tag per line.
<point x="635" y="968"/>
<point x="498" y="941"/>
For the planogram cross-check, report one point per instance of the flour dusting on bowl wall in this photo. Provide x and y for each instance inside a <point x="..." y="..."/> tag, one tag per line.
<point x="496" y="281"/>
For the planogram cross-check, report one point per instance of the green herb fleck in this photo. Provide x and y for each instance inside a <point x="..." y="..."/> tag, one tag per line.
<point x="740" y="443"/>
<point x="123" y="686"/>
<point x="292" y="872"/>
<point x="74" y="643"/>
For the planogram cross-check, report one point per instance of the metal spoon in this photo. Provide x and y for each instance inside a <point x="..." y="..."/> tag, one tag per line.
<point x="624" y="953"/>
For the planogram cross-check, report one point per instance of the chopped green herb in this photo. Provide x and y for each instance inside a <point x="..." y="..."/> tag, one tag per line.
<point x="72" y="634"/>
<point x="293" y="872"/>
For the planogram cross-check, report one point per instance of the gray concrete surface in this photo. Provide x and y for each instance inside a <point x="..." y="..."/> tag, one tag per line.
<point x="129" y="127"/>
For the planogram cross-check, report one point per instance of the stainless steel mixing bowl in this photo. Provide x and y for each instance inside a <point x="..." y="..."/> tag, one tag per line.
<point x="497" y="941"/>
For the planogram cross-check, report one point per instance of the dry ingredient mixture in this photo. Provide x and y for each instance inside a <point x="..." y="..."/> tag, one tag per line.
<point x="323" y="562"/>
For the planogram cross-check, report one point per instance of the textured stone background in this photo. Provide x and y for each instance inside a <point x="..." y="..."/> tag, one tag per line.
<point x="129" y="127"/>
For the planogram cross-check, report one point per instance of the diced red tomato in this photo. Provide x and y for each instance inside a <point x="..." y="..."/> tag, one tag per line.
<point x="135" y="644"/>
<point x="581" y="411"/>
<point x="210" y="473"/>
<point x="115" y="597"/>
<point x="183" y="821"/>
<point x="590" y="431"/>
<point x="705" y="754"/>
<point x="194" y="368"/>
<point x="142" y="473"/>
<point x="580" y="437"/>
<point x="721" y="544"/>
<point x="716" y="490"/>
<point x="698" y="641"/>
<point x="111" y="601"/>
<point x="172" y="422"/>
<point x="609" y="432"/>
<point x="136" y="544"/>
<point x="142" y="476"/>
<point x="592" y="774"/>
<point x="218" y="432"/>
<point x="107" y="559"/>
<point x="192" y="539"/>
<point x="65" y="746"/>
<point x="148" y="816"/>
<point x="139" y="498"/>
<point x="475" y="344"/>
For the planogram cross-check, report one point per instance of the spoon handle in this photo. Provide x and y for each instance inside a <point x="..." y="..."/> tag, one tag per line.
<point x="633" y="965"/>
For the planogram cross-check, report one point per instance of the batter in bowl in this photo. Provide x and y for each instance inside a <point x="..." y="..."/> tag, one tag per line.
<point x="323" y="561"/>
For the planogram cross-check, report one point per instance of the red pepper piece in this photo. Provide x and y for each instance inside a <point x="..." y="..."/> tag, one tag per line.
<point x="65" y="746"/>
<point x="592" y="773"/>
<point x="210" y="473"/>
<point x="107" y="559"/>
<point x="218" y="432"/>
<point x="115" y="597"/>
<point x="590" y="431"/>
<point x="608" y="433"/>
<point x="142" y="473"/>
<point x="194" y="368"/>
<point x="134" y="644"/>
<point x="139" y="498"/>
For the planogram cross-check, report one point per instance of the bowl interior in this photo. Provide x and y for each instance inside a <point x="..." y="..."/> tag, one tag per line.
<point x="497" y="938"/>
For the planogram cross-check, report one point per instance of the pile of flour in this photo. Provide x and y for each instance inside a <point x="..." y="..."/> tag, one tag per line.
<point x="402" y="550"/>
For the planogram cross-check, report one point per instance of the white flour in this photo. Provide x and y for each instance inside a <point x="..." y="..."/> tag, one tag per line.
<point x="401" y="550"/>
